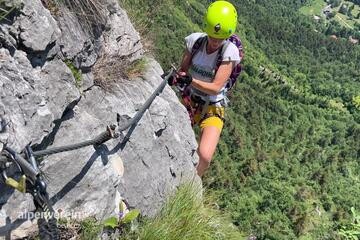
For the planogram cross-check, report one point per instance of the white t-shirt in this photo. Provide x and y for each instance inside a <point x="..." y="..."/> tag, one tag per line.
<point x="203" y="65"/>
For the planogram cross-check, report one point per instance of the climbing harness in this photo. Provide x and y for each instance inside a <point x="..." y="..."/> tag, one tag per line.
<point x="198" y="106"/>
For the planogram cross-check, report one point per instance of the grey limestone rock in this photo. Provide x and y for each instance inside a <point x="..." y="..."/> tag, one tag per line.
<point x="38" y="29"/>
<point x="40" y="103"/>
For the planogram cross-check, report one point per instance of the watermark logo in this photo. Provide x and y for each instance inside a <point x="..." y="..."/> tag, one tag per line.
<point x="30" y="215"/>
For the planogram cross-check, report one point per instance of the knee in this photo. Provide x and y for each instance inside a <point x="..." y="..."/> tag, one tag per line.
<point x="205" y="156"/>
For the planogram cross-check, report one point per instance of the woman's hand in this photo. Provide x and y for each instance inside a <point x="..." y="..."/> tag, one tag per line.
<point x="180" y="78"/>
<point x="184" y="79"/>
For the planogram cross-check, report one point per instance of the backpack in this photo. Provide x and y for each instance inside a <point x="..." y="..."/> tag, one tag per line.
<point x="236" y="70"/>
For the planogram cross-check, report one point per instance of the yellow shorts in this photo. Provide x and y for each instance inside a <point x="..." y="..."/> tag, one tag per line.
<point x="213" y="117"/>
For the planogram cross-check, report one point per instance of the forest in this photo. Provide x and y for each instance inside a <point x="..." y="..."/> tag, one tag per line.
<point x="287" y="165"/>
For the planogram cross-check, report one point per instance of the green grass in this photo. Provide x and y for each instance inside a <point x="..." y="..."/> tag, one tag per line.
<point x="136" y="68"/>
<point x="76" y="73"/>
<point x="315" y="8"/>
<point x="6" y="9"/>
<point x="90" y="229"/>
<point x="344" y="20"/>
<point x="186" y="217"/>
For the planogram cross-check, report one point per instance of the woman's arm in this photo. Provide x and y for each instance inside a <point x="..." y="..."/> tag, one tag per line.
<point x="185" y="63"/>
<point x="221" y="77"/>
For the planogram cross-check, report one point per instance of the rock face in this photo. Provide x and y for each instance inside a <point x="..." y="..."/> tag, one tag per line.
<point x="41" y="102"/>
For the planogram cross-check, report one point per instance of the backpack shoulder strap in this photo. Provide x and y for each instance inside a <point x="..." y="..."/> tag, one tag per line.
<point x="224" y="46"/>
<point x="221" y="54"/>
<point x="198" y="44"/>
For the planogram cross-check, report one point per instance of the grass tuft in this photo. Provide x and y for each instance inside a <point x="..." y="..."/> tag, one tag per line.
<point x="6" y="7"/>
<point x="136" y="68"/>
<point x="109" y="69"/>
<point x="90" y="229"/>
<point x="91" y="13"/>
<point x="184" y="216"/>
<point x="52" y="6"/>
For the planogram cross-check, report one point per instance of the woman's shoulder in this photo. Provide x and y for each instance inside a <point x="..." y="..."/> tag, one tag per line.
<point x="231" y="52"/>
<point x="231" y="46"/>
<point x="192" y="38"/>
<point x="196" y="35"/>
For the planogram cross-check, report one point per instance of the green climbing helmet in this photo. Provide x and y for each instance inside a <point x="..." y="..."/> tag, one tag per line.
<point x="220" y="20"/>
